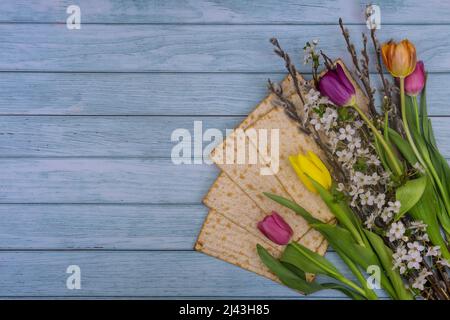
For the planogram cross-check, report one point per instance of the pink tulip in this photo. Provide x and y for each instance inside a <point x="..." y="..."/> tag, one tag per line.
<point x="276" y="229"/>
<point x="415" y="82"/>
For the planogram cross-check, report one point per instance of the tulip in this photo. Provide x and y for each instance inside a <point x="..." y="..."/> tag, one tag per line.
<point x="275" y="228"/>
<point x="415" y="82"/>
<point x="337" y="87"/>
<point x="400" y="59"/>
<point x="310" y="166"/>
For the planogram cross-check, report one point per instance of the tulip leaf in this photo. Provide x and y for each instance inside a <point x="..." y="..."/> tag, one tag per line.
<point x="294" y="277"/>
<point x="345" y="217"/>
<point x="425" y="122"/>
<point x="411" y="113"/>
<point x="385" y="256"/>
<point x="403" y="146"/>
<point x="309" y="261"/>
<point x="409" y="194"/>
<point x="286" y="276"/>
<point x="293" y="206"/>
<point x="312" y="262"/>
<point x="425" y="210"/>
<point x="381" y="154"/>
<point x="348" y="292"/>
<point x="342" y="240"/>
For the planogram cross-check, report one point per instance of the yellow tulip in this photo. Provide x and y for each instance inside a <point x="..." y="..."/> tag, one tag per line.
<point x="311" y="165"/>
<point x="399" y="58"/>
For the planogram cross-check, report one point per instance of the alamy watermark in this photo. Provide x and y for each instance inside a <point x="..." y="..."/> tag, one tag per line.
<point x="73" y="21"/>
<point x="373" y="17"/>
<point x="243" y="147"/>
<point x="73" y="281"/>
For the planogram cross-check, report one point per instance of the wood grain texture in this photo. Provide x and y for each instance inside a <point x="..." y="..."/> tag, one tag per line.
<point x="103" y="181"/>
<point x="98" y="189"/>
<point x="171" y="93"/>
<point x="224" y="11"/>
<point x="190" y="48"/>
<point x="154" y="274"/>
<point x="105" y="227"/>
<point x="122" y="136"/>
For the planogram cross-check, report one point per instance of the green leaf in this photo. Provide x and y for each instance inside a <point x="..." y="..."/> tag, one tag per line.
<point x="348" y="292"/>
<point x="356" y="270"/>
<point x="286" y="276"/>
<point x="298" y="272"/>
<point x="309" y="261"/>
<point x="403" y="146"/>
<point x="381" y="154"/>
<point x="293" y="277"/>
<point x="293" y="206"/>
<point x="341" y="239"/>
<point x="385" y="256"/>
<point x="345" y="217"/>
<point x="411" y="113"/>
<point x="425" y="210"/>
<point x="386" y="127"/>
<point x="425" y="122"/>
<point x="409" y="194"/>
<point x="342" y="242"/>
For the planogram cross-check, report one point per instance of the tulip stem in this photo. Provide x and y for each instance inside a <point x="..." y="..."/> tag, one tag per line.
<point x="393" y="159"/>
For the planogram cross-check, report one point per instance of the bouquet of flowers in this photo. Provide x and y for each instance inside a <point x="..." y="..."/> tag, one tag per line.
<point x="381" y="175"/>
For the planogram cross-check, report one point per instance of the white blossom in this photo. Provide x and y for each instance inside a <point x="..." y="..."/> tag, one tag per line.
<point x="346" y="133"/>
<point x="421" y="279"/>
<point x="386" y="214"/>
<point x="433" y="251"/>
<point x="396" y="231"/>
<point x="414" y="262"/>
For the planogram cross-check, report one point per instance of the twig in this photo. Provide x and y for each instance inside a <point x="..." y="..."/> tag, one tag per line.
<point x="289" y="66"/>
<point x="361" y="72"/>
<point x="365" y="76"/>
<point x="289" y="106"/>
<point x="377" y="48"/>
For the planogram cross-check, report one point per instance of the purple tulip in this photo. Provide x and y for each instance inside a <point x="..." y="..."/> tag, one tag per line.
<point x="276" y="229"/>
<point x="337" y="87"/>
<point x="415" y="82"/>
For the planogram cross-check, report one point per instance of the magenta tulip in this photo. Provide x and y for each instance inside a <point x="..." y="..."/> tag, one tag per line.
<point x="415" y="82"/>
<point x="276" y="229"/>
<point x="337" y="87"/>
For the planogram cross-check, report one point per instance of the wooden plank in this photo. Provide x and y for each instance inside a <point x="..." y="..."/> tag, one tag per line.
<point x="131" y="273"/>
<point x="88" y="136"/>
<point x="190" y="48"/>
<point x="131" y="93"/>
<point x="144" y="181"/>
<point x="149" y="181"/>
<point x="154" y="93"/>
<point x="218" y="11"/>
<point x="105" y="227"/>
<point x="121" y="136"/>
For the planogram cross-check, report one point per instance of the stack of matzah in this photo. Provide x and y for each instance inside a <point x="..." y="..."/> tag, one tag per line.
<point x="236" y="199"/>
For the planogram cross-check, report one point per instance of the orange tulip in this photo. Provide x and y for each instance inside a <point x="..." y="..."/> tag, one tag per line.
<point x="399" y="58"/>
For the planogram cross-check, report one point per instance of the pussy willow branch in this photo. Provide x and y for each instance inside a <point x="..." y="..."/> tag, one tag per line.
<point x="360" y="73"/>
<point x="388" y="99"/>
<point x="377" y="48"/>
<point x="289" y="66"/>
<point x="365" y="75"/>
<point x="327" y="60"/>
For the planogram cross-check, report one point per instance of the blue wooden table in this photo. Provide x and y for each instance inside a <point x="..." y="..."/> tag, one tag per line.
<point x="86" y="118"/>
